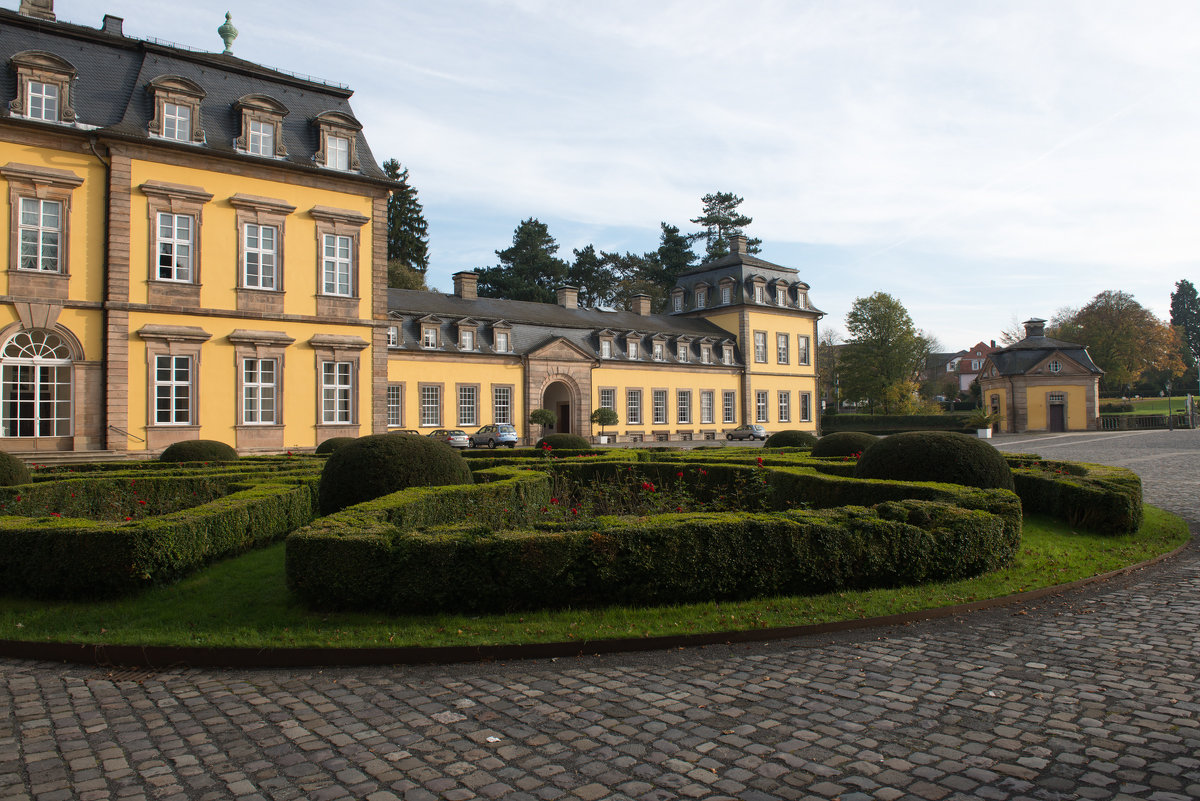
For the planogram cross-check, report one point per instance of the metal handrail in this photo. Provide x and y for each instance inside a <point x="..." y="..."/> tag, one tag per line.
<point x="126" y="433"/>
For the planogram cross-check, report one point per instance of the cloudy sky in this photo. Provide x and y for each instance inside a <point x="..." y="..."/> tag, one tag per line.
<point x="981" y="161"/>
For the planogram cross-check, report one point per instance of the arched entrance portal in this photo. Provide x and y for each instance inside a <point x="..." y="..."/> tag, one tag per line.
<point x="557" y="398"/>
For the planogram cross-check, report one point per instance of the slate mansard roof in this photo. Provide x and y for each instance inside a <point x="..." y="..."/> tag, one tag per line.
<point x="110" y="96"/>
<point x="1021" y="357"/>
<point x="782" y="285"/>
<point x="533" y="325"/>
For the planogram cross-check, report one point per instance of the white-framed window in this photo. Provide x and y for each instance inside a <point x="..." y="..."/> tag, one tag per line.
<point x="760" y="346"/>
<point x="431" y="405"/>
<point x="781" y="348"/>
<point x="338" y="253"/>
<point x="259" y="391"/>
<point x="706" y="354"/>
<point x="677" y="301"/>
<point x="633" y="407"/>
<point x="261" y="256"/>
<point x="683" y="406"/>
<point x="633" y="349"/>
<point x="429" y="336"/>
<point x="605" y="349"/>
<point x="706" y="406"/>
<point x="393" y="336"/>
<point x="805" y="407"/>
<point x="177" y="122"/>
<point x="172" y="390"/>
<point x="758" y="293"/>
<point x="727" y="355"/>
<point x="659" y="406"/>
<point x="802" y="354"/>
<point x="760" y="406"/>
<point x="337" y="392"/>
<point x="681" y="351"/>
<point x="785" y="406"/>
<point x="176" y="239"/>
<point x="43" y="101"/>
<point x="1055" y="366"/>
<point x="726" y="294"/>
<point x="468" y="405"/>
<point x="261" y="141"/>
<point x="35" y="386"/>
<point x="502" y="405"/>
<point x="608" y="398"/>
<point x="395" y="405"/>
<point x="728" y="406"/>
<point x="658" y="351"/>
<point x="502" y="342"/>
<point x="701" y="298"/>
<point x="337" y="152"/>
<point x="975" y="364"/>
<point x="466" y="339"/>
<point x="41" y="224"/>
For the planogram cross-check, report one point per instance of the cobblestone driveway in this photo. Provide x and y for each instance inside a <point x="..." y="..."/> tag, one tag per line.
<point x="1095" y="695"/>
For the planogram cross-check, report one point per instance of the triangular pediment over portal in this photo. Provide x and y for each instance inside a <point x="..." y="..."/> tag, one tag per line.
<point x="560" y="349"/>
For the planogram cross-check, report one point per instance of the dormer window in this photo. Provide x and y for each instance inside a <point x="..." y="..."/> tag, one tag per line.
<point x="727" y="354"/>
<point x="706" y="354"/>
<point x="681" y="350"/>
<point x="429" y="335"/>
<point x="677" y="300"/>
<point x="701" y="297"/>
<point x="393" y="336"/>
<point x="176" y="109"/>
<point x="43" y="87"/>
<point x="658" y="351"/>
<point x="632" y="349"/>
<point x="759" y="293"/>
<point x="606" y="349"/>
<point x="501" y="341"/>
<point x="262" y="126"/>
<point x="466" y="338"/>
<point x="338" y="133"/>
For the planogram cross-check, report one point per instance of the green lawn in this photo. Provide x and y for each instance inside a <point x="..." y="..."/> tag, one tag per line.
<point x="244" y="602"/>
<point x="1151" y="405"/>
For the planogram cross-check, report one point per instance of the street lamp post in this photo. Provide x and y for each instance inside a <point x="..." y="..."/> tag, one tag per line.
<point x="1170" y="417"/>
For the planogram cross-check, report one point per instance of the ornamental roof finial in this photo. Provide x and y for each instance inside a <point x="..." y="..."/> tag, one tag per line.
<point x="227" y="33"/>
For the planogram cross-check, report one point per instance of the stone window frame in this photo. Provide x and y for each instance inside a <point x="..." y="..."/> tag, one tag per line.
<point x="511" y="389"/>
<point x="803" y="350"/>
<point x="338" y="348"/>
<point x="441" y="405"/>
<point x="178" y="91"/>
<point x="683" y="406"/>
<point x="711" y="394"/>
<point x="677" y="299"/>
<point x="600" y="397"/>
<point x="758" y="289"/>
<point x="700" y="295"/>
<point x="501" y="327"/>
<point x="430" y="323"/>
<point x="632" y="394"/>
<point x="458" y="404"/>
<point x="762" y="406"/>
<point x="172" y="340"/>
<point x="251" y="344"/>
<point x="335" y="123"/>
<point x="780" y="287"/>
<point x="706" y="352"/>
<point x="399" y="389"/>
<point x="38" y="66"/>
<point x="655" y="394"/>
<point x="783" y="348"/>
<point x="783" y="401"/>
<point x="728" y="407"/>
<point x="760" y="355"/>
<point x="264" y="109"/>
<point x="683" y="350"/>
<point x="168" y="198"/>
<point x="805" y="399"/>
<point x="41" y="183"/>
<point x="264" y="211"/>
<point x="727" y="353"/>
<point x="801" y="294"/>
<point x="1054" y="366"/>
<point x="465" y="326"/>
<point x="393" y="336"/>
<point x="633" y="345"/>
<point x="339" y="222"/>
<point x="727" y="285"/>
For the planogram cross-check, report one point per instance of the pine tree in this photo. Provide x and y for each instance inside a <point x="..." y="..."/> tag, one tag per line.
<point x="721" y="220"/>
<point x="1185" y="316"/>
<point x="528" y="270"/>
<point x="408" y="232"/>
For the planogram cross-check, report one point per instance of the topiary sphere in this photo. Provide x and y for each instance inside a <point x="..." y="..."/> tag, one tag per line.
<point x="12" y="471"/>
<point x="332" y="444"/>
<point x="560" y="442"/>
<point x="792" y="438"/>
<point x="844" y="443"/>
<point x="198" y="450"/>
<point x="935" y="456"/>
<point x="380" y="464"/>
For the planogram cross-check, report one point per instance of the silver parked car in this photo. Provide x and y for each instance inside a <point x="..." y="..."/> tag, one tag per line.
<point x="454" y="437"/>
<point x="491" y="436"/>
<point x="747" y="431"/>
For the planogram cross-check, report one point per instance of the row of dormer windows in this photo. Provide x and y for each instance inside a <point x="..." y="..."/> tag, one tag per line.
<point x="701" y="298"/>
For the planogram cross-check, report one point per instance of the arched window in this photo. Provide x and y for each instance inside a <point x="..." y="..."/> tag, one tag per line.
<point x="35" y="385"/>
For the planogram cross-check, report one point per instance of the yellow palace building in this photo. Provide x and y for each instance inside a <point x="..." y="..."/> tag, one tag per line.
<point x="196" y="249"/>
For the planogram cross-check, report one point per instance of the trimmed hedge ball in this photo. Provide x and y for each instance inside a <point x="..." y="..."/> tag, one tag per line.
<point x="12" y="471"/>
<point x="380" y="464"/>
<point x="844" y="443"/>
<point x="560" y="442"/>
<point x="791" y="438"/>
<point x="332" y="444"/>
<point x="936" y="456"/>
<point x="198" y="450"/>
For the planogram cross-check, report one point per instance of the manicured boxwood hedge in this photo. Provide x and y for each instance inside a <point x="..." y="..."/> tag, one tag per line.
<point x="893" y="423"/>
<point x="1099" y="498"/>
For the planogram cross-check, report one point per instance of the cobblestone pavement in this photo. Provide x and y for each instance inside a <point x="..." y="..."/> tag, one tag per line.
<point x="1091" y="695"/>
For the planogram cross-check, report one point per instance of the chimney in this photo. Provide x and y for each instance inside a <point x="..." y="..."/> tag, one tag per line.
<point x="568" y="297"/>
<point x="42" y="9"/>
<point x="737" y="245"/>
<point x="1034" y="327"/>
<point x="993" y="343"/>
<point x="112" y="25"/>
<point x="465" y="284"/>
<point x="640" y="305"/>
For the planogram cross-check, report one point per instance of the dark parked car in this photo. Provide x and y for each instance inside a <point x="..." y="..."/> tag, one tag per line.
<point x="454" y="437"/>
<point x="491" y="436"/>
<point x="747" y="431"/>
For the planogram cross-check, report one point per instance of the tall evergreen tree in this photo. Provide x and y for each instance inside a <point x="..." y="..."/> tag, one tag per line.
<point x="408" y="232"/>
<point x="1185" y="316"/>
<point x="721" y="220"/>
<point x="528" y="269"/>
<point x="593" y="275"/>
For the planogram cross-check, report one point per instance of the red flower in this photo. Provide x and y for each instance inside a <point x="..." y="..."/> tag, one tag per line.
<point x="574" y="511"/>
<point x="55" y="514"/>
<point x="554" y="500"/>
<point x="18" y="499"/>
<point x="143" y="503"/>
<point x="760" y="461"/>
<point x="678" y="508"/>
<point x="679" y="474"/>
<point x="129" y="518"/>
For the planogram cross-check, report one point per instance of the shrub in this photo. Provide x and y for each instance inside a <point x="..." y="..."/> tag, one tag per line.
<point x="936" y="456"/>
<point x="381" y="464"/>
<point x="792" y="438"/>
<point x="198" y="450"/>
<point x="12" y="470"/>
<point x="332" y="444"/>
<point x="844" y="443"/>
<point x="560" y="442"/>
